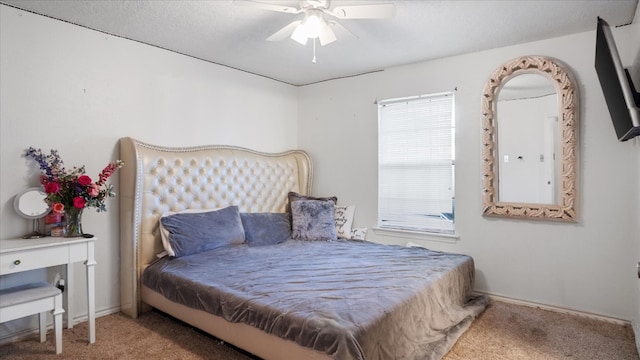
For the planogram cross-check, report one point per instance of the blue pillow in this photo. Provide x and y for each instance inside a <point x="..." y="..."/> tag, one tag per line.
<point x="262" y="229"/>
<point x="313" y="220"/>
<point x="191" y="233"/>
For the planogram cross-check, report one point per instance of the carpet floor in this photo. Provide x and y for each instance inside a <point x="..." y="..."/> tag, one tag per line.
<point x="502" y="331"/>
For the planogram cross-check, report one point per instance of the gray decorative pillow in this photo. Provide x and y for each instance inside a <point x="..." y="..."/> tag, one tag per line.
<point x="262" y="229"/>
<point x="294" y="196"/>
<point x="313" y="220"/>
<point x="164" y="233"/>
<point x="191" y="233"/>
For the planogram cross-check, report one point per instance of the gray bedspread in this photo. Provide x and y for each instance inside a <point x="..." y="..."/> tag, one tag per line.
<point x="349" y="299"/>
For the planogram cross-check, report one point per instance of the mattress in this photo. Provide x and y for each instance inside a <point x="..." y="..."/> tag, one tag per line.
<point x="348" y="299"/>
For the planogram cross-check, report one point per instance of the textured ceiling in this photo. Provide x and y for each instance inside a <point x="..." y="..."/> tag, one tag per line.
<point x="223" y="32"/>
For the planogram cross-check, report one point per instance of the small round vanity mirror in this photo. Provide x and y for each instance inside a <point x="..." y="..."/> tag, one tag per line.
<point x="30" y="204"/>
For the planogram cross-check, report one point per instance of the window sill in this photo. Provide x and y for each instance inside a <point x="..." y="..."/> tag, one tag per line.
<point x="418" y="235"/>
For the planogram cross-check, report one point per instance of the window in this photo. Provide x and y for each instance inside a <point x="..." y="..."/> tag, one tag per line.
<point x="416" y="159"/>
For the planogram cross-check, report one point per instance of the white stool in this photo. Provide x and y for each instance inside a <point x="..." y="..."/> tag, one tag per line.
<point x="31" y="299"/>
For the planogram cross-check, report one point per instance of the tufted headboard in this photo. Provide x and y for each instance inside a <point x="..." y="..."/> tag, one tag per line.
<point x="158" y="179"/>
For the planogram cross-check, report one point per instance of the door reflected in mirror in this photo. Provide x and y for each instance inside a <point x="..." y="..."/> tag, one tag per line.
<point x="528" y="141"/>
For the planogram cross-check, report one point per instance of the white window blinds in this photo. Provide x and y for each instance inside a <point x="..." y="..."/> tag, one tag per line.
<point x="416" y="163"/>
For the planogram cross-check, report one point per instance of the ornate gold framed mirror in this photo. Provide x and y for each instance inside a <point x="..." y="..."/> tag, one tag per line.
<point x="530" y="140"/>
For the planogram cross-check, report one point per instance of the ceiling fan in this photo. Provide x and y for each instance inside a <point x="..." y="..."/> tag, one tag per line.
<point x="317" y="22"/>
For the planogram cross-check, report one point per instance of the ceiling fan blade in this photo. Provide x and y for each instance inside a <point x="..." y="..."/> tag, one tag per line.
<point x="341" y="28"/>
<point x="267" y="6"/>
<point x="284" y="32"/>
<point x="327" y="36"/>
<point x="374" y="11"/>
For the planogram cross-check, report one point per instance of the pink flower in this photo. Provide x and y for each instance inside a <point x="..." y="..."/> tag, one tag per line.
<point x="109" y="170"/>
<point x="58" y="208"/>
<point x="52" y="187"/>
<point x="79" y="202"/>
<point x="84" y="180"/>
<point x="93" y="190"/>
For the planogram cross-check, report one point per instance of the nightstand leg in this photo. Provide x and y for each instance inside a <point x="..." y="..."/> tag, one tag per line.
<point x="68" y="295"/>
<point x="91" y="295"/>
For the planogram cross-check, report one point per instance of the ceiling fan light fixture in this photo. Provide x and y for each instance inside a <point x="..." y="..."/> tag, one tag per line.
<point x="327" y="36"/>
<point x="313" y="26"/>
<point x="299" y="35"/>
<point x="313" y="23"/>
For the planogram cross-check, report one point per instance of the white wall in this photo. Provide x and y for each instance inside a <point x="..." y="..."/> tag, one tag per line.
<point x="79" y="91"/>
<point x="636" y="295"/>
<point x="635" y="75"/>
<point x="583" y="266"/>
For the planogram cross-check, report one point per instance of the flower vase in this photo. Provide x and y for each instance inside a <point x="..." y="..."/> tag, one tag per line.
<point x="73" y="228"/>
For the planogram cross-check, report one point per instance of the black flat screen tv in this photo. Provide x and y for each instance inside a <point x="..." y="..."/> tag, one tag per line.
<point x="622" y="99"/>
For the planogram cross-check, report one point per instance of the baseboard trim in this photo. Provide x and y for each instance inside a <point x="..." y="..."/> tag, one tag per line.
<point x="560" y="310"/>
<point x="636" y="330"/>
<point x="85" y="317"/>
<point x="34" y="331"/>
<point x="20" y="335"/>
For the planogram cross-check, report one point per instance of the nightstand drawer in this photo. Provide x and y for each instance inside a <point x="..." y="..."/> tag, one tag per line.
<point x="33" y="259"/>
<point x="78" y="252"/>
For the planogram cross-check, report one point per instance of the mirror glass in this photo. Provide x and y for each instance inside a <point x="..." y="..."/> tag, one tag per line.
<point x="30" y="204"/>
<point x="527" y="123"/>
<point x="529" y="139"/>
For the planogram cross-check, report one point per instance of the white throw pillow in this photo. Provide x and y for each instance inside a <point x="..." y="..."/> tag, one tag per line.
<point x="359" y="233"/>
<point x="344" y="220"/>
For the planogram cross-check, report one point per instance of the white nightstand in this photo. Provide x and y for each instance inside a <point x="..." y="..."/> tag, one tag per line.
<point x="18" y="255"/>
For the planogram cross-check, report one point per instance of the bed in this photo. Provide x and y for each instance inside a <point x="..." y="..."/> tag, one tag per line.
<point x="338" y="299"/>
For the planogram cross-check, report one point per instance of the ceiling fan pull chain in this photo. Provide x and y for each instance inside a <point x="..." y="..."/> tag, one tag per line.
<point x="314" y="52"/>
